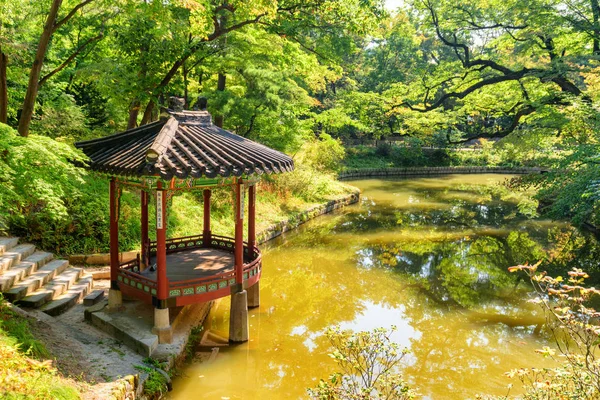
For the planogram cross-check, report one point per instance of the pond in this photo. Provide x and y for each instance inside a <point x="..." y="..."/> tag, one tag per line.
<point x="426" y="255"/>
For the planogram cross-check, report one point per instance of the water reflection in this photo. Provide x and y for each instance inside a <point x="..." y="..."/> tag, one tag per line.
<point x="426" y="255"/>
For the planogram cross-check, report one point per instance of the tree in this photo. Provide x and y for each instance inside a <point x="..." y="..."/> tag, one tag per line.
<point x="52" y="24"/>
<point x="533" y="50"/>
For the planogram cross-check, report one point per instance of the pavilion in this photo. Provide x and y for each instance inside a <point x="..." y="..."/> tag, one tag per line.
<point x="185" y="152"/>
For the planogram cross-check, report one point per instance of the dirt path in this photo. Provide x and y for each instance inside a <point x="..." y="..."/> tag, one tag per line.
<point x="83" y="353"/>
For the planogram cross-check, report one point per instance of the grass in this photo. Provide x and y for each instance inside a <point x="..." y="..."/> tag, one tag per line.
<point x="25" y="371"/>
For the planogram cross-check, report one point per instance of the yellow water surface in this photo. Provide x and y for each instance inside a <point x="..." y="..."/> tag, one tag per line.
<point x="427" y="255"/>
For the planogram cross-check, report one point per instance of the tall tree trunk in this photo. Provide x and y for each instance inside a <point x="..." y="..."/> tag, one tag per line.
<point x="36" y="69"/>
<point x="186" y="106"/>
<point x="220" y="87"/>
<point x="134" y="110"/>
<point x="3" y="88"/>
<point x="596" y="27"/>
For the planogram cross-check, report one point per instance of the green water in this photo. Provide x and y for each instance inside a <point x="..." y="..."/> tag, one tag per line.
<point x="428" y="255"/>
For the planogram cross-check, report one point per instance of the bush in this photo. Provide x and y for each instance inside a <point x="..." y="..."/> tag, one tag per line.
<point x="368" y="363"/>
<point x="573" y="324"/>
<point x="324" y="154"/>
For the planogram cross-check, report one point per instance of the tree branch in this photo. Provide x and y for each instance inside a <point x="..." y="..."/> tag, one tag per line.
<point x="70" y="15"/>
<point x="70" y="58"/>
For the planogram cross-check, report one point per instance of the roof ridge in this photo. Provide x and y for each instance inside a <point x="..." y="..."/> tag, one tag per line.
<point x="163" y="140"/>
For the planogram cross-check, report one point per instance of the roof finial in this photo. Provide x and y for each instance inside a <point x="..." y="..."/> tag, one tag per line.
<point x="200" y="104"/>
<point x="176" y="103"/>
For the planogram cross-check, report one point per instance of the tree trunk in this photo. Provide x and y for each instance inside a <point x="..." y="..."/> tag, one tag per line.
<point x="166" y="80"/>
<point x="220" y="87"/>
<point x="134" y="110"/>
<point x="3" y="88"/>
<point x="596" y="27"/>
<point x="36" y="69"/>
<point x="186" y="106"/>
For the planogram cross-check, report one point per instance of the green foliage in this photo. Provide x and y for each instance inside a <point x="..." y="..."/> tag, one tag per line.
<point x="368" y="365"/>
<point x="23" y="377"/>
<point x="155" y="385"/>
<point x="18" y="328"/>
<point x="193" y="340"/>
<point x="323" y="154"/>
<point x="45" y="198"/>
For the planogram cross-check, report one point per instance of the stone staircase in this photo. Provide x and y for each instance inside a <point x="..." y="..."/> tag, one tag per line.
<point x="34" y="279"/>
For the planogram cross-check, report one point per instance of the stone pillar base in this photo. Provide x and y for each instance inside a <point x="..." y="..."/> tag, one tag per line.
<point x="238" y="317"/>
<point x="254" y="295"/>
<point x="115" y="299"/>
<point x="162" y="325"/>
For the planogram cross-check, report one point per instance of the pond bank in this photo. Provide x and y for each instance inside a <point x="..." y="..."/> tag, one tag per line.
<point x="426" y="171"/>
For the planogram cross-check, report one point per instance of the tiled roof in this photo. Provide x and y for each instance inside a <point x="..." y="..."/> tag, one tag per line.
<point x="186" y="145"/>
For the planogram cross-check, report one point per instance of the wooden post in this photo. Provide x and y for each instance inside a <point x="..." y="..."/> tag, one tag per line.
<point x="114" y="234"/>
<point x="251" y="218"/>
<point x="206" y="233"/>
<point x="239" y="233"/>
<point x="238" y="314"/>
<point x="161" y="245"/>
<point x="115" y="298"/>
<point x="254" y="290"/>
<point x="144" y="222"/>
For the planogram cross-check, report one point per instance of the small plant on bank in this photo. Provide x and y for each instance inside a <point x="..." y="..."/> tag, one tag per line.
<point x="156" y="385"/>
<point x="193" y="340"/>
<point x="368" y="365"/>
<point x="573" y="324"/>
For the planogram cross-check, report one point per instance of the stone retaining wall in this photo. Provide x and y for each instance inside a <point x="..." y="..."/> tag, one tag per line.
<point x="425" y="171"/>
<point x="293" y="222"/>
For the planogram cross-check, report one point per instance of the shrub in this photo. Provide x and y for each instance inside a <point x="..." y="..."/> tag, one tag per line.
<point x="323" y="154"/>
<point x="368" y="363"/>
<point x="573" y="324"/>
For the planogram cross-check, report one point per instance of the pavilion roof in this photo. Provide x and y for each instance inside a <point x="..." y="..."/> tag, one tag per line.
<point x="185" y="145"/>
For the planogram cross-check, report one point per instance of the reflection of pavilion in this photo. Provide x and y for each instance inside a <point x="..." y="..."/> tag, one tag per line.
<point x="185" y="152"/>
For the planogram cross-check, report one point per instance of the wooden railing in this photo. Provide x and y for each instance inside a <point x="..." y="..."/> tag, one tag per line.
<point x="197" y="289"/>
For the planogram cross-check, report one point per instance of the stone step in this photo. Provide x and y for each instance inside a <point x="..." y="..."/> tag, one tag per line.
<point x="15" y="255"/>
<point x="94" y="297"/>
<point x="7" y="243"/>
<point x="23" y="269"/>
<point x="52" y="289"/>
<point x="36" y="280"/>
<point x="72" y="296"/>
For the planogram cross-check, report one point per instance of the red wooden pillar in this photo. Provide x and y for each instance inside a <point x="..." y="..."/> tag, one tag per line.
<point x="206" y="234"/>
<point x="144" y="221"/>
<point x="161" y="245"/>
<point x="251" y="217"/>
<point x="239" y="233"/>
<point x="114" y="234"/>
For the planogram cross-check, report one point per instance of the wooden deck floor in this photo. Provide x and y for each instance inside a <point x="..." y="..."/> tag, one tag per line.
<point x="192" y="264"/>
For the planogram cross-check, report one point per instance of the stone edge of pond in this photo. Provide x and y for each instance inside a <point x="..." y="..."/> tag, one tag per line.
<point x="304" y="216"/>
<point x="426" y="171"/>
